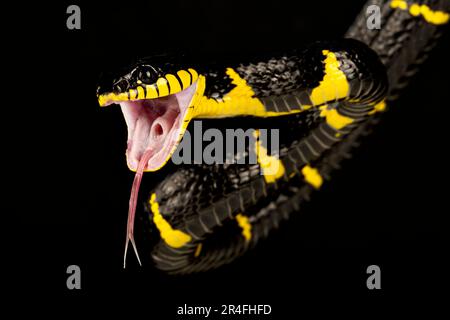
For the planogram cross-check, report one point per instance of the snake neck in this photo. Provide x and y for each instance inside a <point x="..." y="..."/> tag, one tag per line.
<point x="239" y="101"/>
<point x="330" y="84"/>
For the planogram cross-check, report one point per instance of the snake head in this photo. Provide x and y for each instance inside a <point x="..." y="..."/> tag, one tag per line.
<point x="156" y="101"/>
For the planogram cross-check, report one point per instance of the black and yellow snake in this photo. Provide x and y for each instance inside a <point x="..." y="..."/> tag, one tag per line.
<point x="322" y="98"/>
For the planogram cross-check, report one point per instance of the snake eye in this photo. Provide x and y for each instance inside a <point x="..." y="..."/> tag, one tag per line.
<point x="120" y="86"/>
<point x="146" y="74"/>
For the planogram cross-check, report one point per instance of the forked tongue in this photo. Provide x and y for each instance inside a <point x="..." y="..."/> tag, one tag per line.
<point x="132" y="205"/>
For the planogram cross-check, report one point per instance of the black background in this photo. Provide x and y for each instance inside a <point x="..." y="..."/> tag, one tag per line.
<point x="385" y="207"/>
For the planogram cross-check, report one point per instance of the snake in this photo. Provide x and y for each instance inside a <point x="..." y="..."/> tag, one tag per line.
<point x="323" y="98"/>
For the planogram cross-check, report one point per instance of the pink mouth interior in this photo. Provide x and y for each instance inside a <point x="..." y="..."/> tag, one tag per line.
<point x="154" y="126"/>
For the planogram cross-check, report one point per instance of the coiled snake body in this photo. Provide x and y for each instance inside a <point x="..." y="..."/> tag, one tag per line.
<point x="322" y="98"/>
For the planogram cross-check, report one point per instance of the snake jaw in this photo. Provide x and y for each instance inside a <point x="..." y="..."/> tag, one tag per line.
<point x="156" y="125"/>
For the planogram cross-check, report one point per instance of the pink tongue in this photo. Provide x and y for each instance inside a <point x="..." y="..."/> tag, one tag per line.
<point x="132" y="204"/>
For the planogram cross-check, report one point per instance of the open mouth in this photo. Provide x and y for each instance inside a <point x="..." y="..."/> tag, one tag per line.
<point x="155" y="125"/>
